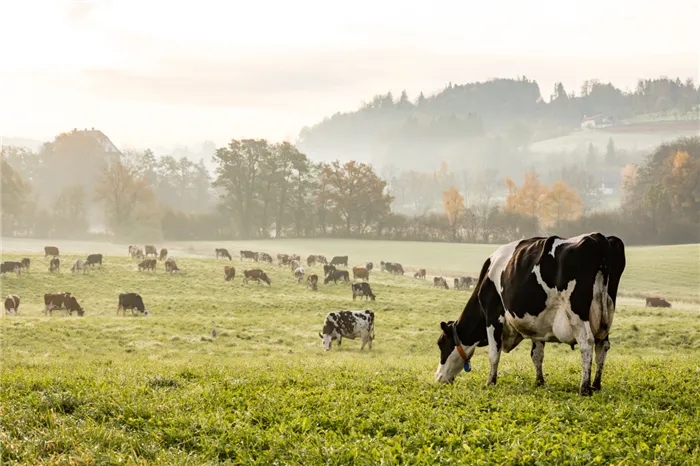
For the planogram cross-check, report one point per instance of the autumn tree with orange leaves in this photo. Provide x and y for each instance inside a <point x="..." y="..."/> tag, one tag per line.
<point x="453" y="204"/>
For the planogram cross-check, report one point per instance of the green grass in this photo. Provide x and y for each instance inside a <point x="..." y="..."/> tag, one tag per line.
<point x="104" y="389"/>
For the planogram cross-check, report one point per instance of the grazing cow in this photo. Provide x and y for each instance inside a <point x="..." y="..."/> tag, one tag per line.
<point x="54" y="265"/>
<point x="137" y="253"/>
<point x="361" y="273"/>
<point x="223" y="253"/>
<point x="93" y="259"/>
<point x="256" y="274"/>
<point x="464" y="283"/>
<point x="265" y="257"/>
<point x="391" y="267"/>
<point x="11" y="304"/>
<point x="54" y="301"/>
<point x="295" y="257"/>
<point x="545" y="289"/>
<point x="150" y="250"/>
<point x="657" y="302"/>
<point x="398" y="269"/>
<point x="369" y="266"/>
<point x="328" y="269"/>
<point x="79" y="265"/>
<point x="312" y="282"/>
<point x="340" y="260"/>
<point x="163" y="254"/>
<point x="131" y="301"/>
<point x="171" y="265"/>
<point x="26" y="262"/>
<point x="299" y="274"/>
<point x="336" y="275"/>
<point x="51" y="251"/>
<point x="321" y="259"/>
<point x="362" y="290"/>
<point x="229" y="273"/>
<point x="348" y="324"/>
<point x="147" y="264"/>
<point x="11" y="266"/>
<point x="439" y="282"/>
<point x="294" y="264"/>
<point x="71" y="304"/>
<point x="311" y="260"/>
<point x="283" y="259"/>
<point x="248" y="255"/>
<point x="421" y="273"/>
<point x="132" y="250"/>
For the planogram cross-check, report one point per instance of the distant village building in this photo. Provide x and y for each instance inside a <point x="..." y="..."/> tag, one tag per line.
<point x="106" y="144"/>
<point x="596" y="121"/>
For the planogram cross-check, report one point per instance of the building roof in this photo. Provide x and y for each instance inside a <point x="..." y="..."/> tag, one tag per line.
<point x="102" y="139"/>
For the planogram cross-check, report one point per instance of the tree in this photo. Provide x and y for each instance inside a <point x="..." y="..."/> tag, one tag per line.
<point x="561" y="203"/>
<point x="15" y="192"/>
<point x="70" y="211"/>
<point x="610" y="155"/>
<point x="528" y="199"/>
<point x="591" y="156"/>
<point x="453" y="205"/>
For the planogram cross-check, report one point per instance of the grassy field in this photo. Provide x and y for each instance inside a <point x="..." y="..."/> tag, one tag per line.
<point x="104" y="389"/>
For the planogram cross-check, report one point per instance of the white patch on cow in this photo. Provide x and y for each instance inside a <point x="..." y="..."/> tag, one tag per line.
<point x="499" y="261"/>
<point x="558" y="242"/>
<point x="501" y="319"/>
<point x="447" y="372"/>
<point x="494" y="353"/>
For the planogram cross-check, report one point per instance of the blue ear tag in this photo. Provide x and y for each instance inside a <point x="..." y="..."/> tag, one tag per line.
<point x="467" y="366"/>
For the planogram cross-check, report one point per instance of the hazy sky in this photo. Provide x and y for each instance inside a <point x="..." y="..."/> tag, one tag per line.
<point x="152" y="73"/>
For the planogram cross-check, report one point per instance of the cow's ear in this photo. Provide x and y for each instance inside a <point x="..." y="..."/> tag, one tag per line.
<point x="320" y="336"/>
<point x="444" y="327"/>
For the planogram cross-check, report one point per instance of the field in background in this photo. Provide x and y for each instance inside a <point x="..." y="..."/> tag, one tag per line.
<point x="107" y="388"/>
<point x="672" y="272"/>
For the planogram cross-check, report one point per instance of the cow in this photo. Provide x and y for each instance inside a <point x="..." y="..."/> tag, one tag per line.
<point x="137" y="253"/>
<point x="295" y="257"/>
<point x="340" y="260"/>
<point x="79" y="265"/>
<point x="256" y="274"/>
<point x="312" y="282"/>
<point x="131" y="301"/>
<point x="11" y="266"/>
<point x="147" y="264"/>
<point x="299" y="274"/>
<point x="439" y="282"/>
<point x="249" y="255"/>
<point x="421" y="273"/>
<point x="54" y="301"/>
<point x="363" y="290"/>
<point x="163" y="254"/>
<point x="54" y="265"/>
<point x="545" y="289"/>
<point x="283" y="259"/>
<point x="336" y="275"/>
<point x="171" y="265"/>
<point x="132" y="248"/>
<point x="150" y="250"/>
<point x="26" y="262"/>
<point x="348" y="324"/>
<point x="93" y="259"/>
<point x="265" y="257"/>
<point x="311" y="260"/>
<point x="385" y="266"/>
<point x="361" y="273"/>
<point x="294" y="264"/>
<point x="223" y="253"/>
<point x="464" y="283"/>
<point x="328" y="269"/>
<point x="657" y="302"/>
<point x="369" y="266"/>
<point x="391" y="267"/>
<point x="51" y="251"/>
<point x="321" y="259"/>
<point x="398" y="269"/>
<point x="11" y="304"/>
<point x="229" y="273"/>
<point x="71" y="304"/>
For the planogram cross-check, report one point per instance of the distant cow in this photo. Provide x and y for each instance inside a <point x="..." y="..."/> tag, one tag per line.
<point x="147" y="264"/>
<point x="312" y="282"/>
<point x="328" y="269"/>
<point x="336" y="275"/>
<point x="464" y="283"/>
<point x="54" y="265"/>
<point x="391" y="267"/>
<point x="398" y="269"/>
<point x="151" y="250"/>
<point x="51" y="251"/>
<point x="265" y="257"/>
<point x="163" y="254"/>
<point x="79" y="265"/>
<point x="132" y="249"/>
<point x="321" y="259"/>
<point x="283" y="259"/>
<point x="295" y="257"/>
<point x="361" y="273"/>
<point x="171" y="265"/>
<point x="340" y="260"/>
<point x="131" y="301"/>
<point x="249" y="255"/>
<point x="369" y="266"/>
<point x="71" y="304"/>
<point x="294" y="264"/>
<point x="229" y="273"/>
<point x="256" y="274"/>
<point x="299" y="273"/>
<point x="53" y="301"/>
<point x="363" y="290"/>
<point x="11" y="304"/>
<point x="421" y="273"/>
<point x="223" y="253"/>
<point x="439" y="282"/>
<point x="93" y="259"/>
<point x="136" y="253"/>
<point x="348" y="324"/>
<point x="26" y="262"/>
<point x="657" y="302"/>
<point x="11" y="266"/>
<point x="311" y="260"/>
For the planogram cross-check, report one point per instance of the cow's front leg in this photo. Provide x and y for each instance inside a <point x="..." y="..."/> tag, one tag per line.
<point x="340" y="340"/>
<point x="364" y="342"/>
<point x="537" y="355"/>
<point x="494" y="333"/>
<point x="601" y="351"/>
<point x="585" y="341"/>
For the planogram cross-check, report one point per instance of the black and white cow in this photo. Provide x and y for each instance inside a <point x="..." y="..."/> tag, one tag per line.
<point x="348" y="324"/>
<point x="545" y="289"/>
<point x="363" y="290"/>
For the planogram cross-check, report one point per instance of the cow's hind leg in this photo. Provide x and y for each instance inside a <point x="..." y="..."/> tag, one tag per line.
<point x="601" y="351"/>
<point x="494" y="334"/>
<point x="586" y="341"/>
<point x="537" y="355"/>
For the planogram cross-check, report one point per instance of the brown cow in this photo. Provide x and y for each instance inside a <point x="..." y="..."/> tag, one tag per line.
<point x="150" y="250"/>
<point x="51" y="251"/>
<point x="311" y="260"/>
<point x="163" y="254"/>
<point x="12" y="304"/>
<point x="147" y="264"/>
<point x="439" y="282"/>
<point x="283" y="259"/>
<point x="657" y="302"/>
<point x="420" y="274"/>
<point x="312" y="282"/>
<point x="256" y="274"/>
<point x="229" y="273"/>
<point x="26" y="262"/>
<point x="294" y="264"/>
<point x="54" y="265"/>
<point x="170" y="265"/>
<point x="360" y="272"/>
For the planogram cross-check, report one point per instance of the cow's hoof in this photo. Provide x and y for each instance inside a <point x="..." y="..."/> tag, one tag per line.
<point x="596" y="387"/>
<point x="539" y="382"/>
<point x="585" y="391"/>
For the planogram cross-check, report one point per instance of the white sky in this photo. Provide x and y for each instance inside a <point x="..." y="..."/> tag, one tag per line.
<point x="151" y="73"/>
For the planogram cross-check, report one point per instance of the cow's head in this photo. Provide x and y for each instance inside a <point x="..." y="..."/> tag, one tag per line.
<point x="80" y="311"/>
<point x="327" y="340"/>
<point x="452" y="358"/>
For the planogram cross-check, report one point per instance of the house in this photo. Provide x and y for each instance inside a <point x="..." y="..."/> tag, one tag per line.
<point x="102" y="140"/>
<point x="596" y="121"/>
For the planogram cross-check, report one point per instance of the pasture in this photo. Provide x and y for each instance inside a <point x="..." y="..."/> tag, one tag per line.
<point x="105" y="388"/>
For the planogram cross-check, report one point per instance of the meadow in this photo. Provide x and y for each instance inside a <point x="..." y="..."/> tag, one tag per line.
<point x="107" y="389"/>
